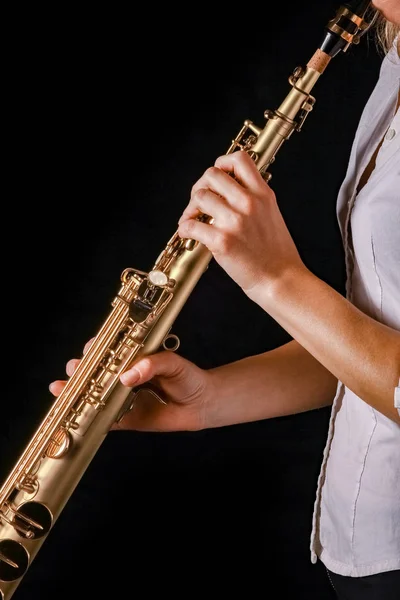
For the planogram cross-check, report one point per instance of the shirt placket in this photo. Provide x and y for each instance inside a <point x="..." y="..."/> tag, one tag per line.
<point x="349" y="262"/>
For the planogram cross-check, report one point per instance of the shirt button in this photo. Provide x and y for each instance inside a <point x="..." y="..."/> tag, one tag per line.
<point x="390" y="134"/>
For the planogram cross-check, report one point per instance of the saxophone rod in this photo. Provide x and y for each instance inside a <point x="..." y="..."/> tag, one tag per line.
<point x="144" y="311"/>
<point x="342" y="31"/>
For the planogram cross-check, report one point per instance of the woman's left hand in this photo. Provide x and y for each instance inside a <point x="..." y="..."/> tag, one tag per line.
<point x="248" y="236"/>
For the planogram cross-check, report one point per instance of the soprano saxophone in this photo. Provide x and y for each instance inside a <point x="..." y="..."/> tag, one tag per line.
<point x="139" y="324"/>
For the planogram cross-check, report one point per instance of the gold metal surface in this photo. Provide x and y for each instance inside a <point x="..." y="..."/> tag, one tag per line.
<point x="335" y="27"/>
<point x="58" y="444"/>
<point x="8" y="561"/>
<point x="139" y="324"/>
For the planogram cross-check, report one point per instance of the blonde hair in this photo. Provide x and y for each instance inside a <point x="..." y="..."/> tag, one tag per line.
<point x="385" y="31"/>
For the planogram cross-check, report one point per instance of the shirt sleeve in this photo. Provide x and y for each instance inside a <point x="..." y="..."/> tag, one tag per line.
<point x="397" y="397"/>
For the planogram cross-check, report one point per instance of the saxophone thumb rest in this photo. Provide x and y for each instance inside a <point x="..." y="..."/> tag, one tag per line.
<point x="144" y="310"/>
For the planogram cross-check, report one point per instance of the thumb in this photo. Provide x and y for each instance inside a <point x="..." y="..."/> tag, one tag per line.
<point x="163" y="364"/>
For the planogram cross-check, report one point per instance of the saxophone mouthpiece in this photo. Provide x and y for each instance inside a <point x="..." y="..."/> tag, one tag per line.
<point x="346" y="27"/>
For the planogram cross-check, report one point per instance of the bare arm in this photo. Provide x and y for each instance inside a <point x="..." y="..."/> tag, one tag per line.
<point x="250" y="240"/>
<point x="276" y="383"/>
<point x="280" y="382"/>
<point x="363" y="353"/>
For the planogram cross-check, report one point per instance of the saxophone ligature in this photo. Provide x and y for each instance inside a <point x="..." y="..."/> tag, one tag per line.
<point x="139" y="324"/>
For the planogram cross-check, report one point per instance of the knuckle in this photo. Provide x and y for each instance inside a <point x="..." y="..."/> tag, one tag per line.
<point x="241" y="157"/>
<point x="189" y="226"/>
<point x="271" y="194"/>
<point x="173" y="365"/>
<point x="247" y="158"/>
<point x="222" y="161"/>
<point x="212" y="172"/>
<point x="246" y="202"/>
<point x="144" y="366"/>
<point x="222" y="243"/>
<point x="237" y="221"/>
<point x="268" y="196"/>
<point x="199" y="194"/>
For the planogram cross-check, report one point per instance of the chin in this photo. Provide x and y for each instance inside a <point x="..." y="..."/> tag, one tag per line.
<point x="389" y="9"/>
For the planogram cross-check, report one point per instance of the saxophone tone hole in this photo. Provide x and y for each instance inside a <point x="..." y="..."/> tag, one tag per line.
<point x="34" y="517"/>
<point x="14" y="560"/>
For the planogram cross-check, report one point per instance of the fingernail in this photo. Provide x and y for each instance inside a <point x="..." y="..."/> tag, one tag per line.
<point x="130" y="376"/>
<point x="51" y="387"/>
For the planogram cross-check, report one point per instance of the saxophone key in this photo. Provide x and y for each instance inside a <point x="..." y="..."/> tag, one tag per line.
<point x="8" y="561"/>
<point x="59" y="443"/>
<point x="14" y="560"/>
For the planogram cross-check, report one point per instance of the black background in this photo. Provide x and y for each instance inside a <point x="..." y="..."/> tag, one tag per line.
<point x="114" y="114"/>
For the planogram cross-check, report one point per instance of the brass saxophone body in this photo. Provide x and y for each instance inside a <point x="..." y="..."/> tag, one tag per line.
<point x="143" y="312"/>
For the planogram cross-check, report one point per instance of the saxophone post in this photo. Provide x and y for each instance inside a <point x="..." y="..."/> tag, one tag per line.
<point x="139" y="323"/>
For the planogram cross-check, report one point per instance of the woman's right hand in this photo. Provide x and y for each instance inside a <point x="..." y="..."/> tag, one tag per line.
<point x="186" y="389"/>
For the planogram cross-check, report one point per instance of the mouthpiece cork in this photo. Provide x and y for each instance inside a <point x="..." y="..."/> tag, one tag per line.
<point x="319" y="61"/>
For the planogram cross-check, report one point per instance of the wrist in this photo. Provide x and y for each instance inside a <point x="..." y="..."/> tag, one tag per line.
<point x="210" y="409"/>
<point x="273" y="290"/>
<point x="223" y="403"/>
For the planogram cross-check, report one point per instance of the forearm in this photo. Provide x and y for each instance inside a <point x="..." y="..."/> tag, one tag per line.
<point x="280" y="382"/>
<point x="361" y="352"/>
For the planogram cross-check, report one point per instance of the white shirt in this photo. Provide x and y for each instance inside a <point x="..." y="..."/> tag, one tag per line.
<point x="356" y="523"/>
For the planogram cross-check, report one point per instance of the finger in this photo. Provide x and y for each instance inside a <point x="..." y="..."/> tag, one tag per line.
<point x="243" y="168"/>
<point x="87" y="345"/>
<point x="206" y="202"/>
<point x="221" y="183"/>
<point x="165" y="364"/>
<point x="56" y="387"/>
<point x="71" y="366"/>
<point x="206" y="234"/>
<point x="142" y="416"/>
